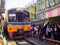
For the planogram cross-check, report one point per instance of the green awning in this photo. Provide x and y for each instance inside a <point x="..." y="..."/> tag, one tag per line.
<point x="54" y="19"/>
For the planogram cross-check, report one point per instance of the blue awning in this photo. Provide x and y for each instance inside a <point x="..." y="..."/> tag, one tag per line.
<point x="34" y="20"/>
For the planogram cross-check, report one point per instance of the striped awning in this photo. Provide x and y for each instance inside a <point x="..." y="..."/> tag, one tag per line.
<point x="53" y="13"/>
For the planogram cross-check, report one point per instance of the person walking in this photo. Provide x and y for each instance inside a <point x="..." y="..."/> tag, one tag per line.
<point x="54" y="27"/>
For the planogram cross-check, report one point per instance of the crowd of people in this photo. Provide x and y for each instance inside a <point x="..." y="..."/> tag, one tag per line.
<point x="51" y="31"/>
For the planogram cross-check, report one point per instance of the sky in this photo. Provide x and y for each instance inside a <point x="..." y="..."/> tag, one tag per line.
<point x="17" y="3"/>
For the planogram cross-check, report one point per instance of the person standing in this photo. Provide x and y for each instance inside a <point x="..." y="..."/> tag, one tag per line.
<point x="1" y="24"/>
<point x="48" y="32"/>
<point x="1" y="31"/>
<point x="32" y="31"/>
<point x="36" y="30"/>
<point x="44" y="28"/>
<point x="55" y="32"/>
<point x="41" y="33"/>
<point x="58" y="31"/>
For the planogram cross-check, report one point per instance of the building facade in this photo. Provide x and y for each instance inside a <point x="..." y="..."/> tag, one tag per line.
<point x="44" y="9"/>
<point x="48" y="9"/>
<point x="32" y="9"/>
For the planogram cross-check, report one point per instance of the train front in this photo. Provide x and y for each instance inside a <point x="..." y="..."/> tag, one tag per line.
<point x="18" y="23"/>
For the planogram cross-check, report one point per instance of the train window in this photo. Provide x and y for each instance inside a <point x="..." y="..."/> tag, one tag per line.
<point x="19" y="16"/>
<point x="26" y="16"/>
<point x="12" y="17"/>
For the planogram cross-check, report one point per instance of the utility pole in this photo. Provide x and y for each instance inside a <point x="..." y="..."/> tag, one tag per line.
<point x="34" y="9"/>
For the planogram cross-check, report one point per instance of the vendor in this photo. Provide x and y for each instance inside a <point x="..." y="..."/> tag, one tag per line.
<point x="1" y="40"/>
<point x="1" y="24"/>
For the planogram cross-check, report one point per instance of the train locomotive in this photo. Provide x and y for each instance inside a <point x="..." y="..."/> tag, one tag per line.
<point x="17" y="23"/>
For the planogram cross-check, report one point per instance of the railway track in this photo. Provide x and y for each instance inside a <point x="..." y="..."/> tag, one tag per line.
<point x="23" y="42"/>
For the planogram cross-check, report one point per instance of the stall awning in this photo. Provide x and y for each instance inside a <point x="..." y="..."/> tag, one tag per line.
<point x="52" y="13"/>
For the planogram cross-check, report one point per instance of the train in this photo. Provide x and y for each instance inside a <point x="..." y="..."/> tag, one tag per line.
<point x="17" y="23"/>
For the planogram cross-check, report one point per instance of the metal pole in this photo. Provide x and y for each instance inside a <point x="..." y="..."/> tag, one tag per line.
<point x="34" y="9"/>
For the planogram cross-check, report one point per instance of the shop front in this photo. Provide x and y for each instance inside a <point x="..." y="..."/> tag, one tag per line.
<point x="53" y="15"/>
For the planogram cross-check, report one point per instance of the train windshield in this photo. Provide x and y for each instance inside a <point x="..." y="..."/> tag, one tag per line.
<point x="22" y="17"/>
<point x="14" y="16"/>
